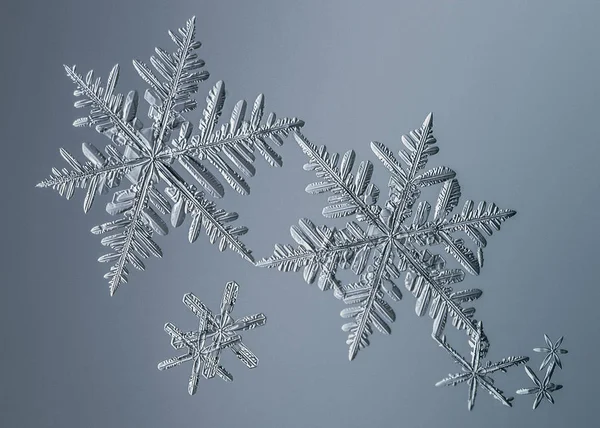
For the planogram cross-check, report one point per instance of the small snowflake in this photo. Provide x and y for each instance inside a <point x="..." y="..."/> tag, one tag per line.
<point x="222" y="333"/>
<point x="475" y="372"/>
<point x="541" y="389"/>
<point x="553" y="350"/>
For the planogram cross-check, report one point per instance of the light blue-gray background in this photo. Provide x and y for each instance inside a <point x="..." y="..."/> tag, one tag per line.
<point x="514" y="86"/>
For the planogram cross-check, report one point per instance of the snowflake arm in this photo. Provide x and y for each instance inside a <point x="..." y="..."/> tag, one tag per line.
<point x="110" y="113"/>
<point x="372" y="310"/>
<point x="136" y="235"/>
<point x="321" y="252"/>
<point x="234" y="142"/>
<point x="97" y="175"/>
<point x="181" y="74"/>
<point x="430" y="283"/>
<point x="352" y="194"/>
<point x="204" y="213"/>
<point x="475" y="223"/>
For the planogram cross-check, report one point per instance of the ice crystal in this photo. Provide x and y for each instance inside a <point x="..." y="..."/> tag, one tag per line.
<point x="147" y="156"/>
<point x="396" y="239"/>
<point x="544" y="388"/>
<point x="553" y="351"/>
<point x="475" y="372"/>
<point x="383" y="243"/>
<point x="214" y="333"/>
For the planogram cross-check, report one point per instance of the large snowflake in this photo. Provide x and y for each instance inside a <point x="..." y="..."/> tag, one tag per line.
<point x="383" y="243"/>
<point x="214" y="333"/>
<point x="147" y="156"/>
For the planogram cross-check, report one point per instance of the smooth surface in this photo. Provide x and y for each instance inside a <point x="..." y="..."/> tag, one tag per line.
<point x="514" y="88"/>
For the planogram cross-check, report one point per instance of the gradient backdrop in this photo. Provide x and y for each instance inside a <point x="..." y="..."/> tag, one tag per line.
<point x="514" y="86"/>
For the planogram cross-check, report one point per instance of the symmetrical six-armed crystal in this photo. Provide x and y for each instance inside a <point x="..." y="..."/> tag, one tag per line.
<point x="384" y="243"/>
<point x="147" y="156"/>
<point x="475" y="372"/>
<point x="545" y="388"/>
<point x="214" y="333"/>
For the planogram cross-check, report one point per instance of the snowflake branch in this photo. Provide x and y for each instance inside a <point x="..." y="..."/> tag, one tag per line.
<point x="329" y="171"/>
<point x="90" y="175"/>
<point x="93" y="94"/>
<point x="118" y="272"/>
<point x="186" y="46"/>
<point x="173" y="179"/>
<point x="438" y="290"/>
<point x="359" y="332"/>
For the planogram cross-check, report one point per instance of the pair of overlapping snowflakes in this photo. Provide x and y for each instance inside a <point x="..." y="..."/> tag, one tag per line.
<point x="380" y="245"/>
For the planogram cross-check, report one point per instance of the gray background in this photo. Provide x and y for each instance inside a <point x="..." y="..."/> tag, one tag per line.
<point x="514" y="86"/>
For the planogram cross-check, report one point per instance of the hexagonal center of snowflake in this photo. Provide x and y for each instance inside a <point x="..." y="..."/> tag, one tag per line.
<point x="221" y="328"/>
<point x="167" y="155"/>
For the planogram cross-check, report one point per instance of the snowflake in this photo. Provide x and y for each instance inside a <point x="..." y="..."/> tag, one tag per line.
<point x="147" y="156"/>
<point x="543" y="389"/>
<point x="221" y="330"/>
<point x="475" y="372"/>
<point x="553" y="350"/>
<point x="382" y="243"/>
